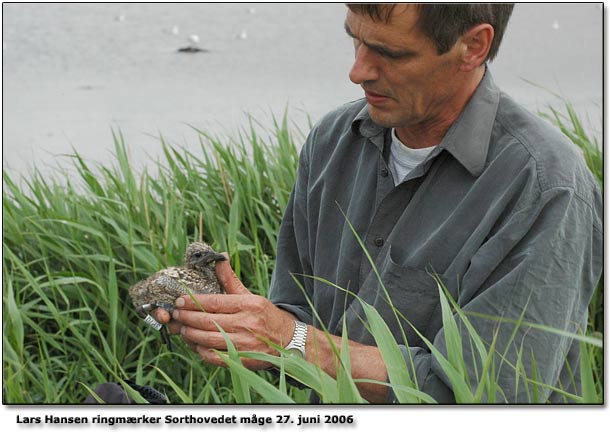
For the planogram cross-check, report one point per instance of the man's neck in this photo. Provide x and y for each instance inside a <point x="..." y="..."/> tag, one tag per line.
<point x="430" y="133"/>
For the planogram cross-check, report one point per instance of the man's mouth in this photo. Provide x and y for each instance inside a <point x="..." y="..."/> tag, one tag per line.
<point x="375" y="98"/>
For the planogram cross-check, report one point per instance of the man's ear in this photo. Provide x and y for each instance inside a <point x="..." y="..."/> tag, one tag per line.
<point x="476" y="43"/>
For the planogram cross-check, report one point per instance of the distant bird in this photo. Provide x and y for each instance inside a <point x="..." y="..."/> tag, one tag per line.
<point x="174" y="30"/>
<point x="192" y="47"/>
<point x="161" y="289"/>
<point x="194" y="39"/>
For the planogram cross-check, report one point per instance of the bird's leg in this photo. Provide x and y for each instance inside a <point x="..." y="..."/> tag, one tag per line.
<point x="164" y="334"/>
<point x="143" y="311"/>
<point x="165" y="338"/>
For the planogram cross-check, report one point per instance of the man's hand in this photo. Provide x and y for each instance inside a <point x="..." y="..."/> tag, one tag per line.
<point x="248" y="320"/>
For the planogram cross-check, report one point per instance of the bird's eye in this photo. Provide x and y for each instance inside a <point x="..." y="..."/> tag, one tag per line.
<point x="197" y="255"/>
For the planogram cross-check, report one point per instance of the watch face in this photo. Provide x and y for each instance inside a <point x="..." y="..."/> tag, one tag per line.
<point x="295" y="352"/>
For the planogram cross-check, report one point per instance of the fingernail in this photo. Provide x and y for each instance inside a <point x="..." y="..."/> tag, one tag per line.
<point x="176" y="314"/>
<point x="182" y="330"/>
<point x="180" y="302"/>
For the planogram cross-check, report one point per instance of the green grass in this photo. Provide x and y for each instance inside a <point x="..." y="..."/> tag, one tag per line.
<point x="72" y="247"/>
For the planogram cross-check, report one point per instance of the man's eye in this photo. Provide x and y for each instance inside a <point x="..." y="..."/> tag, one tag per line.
<point x="394" y="55"/>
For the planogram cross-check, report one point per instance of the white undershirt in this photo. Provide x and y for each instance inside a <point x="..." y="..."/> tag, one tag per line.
<point x="403" y="159"/>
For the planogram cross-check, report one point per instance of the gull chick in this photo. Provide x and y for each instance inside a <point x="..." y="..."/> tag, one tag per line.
<point x="161" y="289"/>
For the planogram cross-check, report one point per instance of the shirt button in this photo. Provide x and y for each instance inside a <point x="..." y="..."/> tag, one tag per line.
<point x="378" y="242"/>
<point x="384" y="172"/>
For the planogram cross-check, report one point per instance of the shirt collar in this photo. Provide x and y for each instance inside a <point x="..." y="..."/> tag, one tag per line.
<point x="364" y="125"/>
<point x="467" y="139"/>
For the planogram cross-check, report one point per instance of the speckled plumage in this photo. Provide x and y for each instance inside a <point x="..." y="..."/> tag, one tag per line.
<point x="161" y="289"/>
<point x="197" y="276"/>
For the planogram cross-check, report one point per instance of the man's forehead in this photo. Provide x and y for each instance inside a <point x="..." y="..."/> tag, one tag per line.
<point x="402" y="20"/>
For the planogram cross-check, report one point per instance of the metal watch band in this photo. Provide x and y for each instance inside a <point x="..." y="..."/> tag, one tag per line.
<point x="298" y="338"/>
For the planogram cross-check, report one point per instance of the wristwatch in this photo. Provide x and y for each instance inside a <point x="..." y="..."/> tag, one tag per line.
<point x="297" y="343"/>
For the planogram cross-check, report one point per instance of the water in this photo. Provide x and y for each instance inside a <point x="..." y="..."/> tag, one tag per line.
<point x="71" y="72"/>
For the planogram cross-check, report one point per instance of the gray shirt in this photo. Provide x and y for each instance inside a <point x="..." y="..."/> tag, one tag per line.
<point x="504" y="209"/>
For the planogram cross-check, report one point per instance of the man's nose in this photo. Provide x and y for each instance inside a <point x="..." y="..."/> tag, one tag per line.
<point x="364" y="67"/>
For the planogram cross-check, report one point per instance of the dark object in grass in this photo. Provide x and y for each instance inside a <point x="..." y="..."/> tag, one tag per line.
<point x="114" y="393"/>
<point x="161" y="289"/>
<point x="192" y="50"/>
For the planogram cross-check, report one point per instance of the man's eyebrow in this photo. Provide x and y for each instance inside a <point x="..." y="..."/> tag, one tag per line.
<point x="382" y="49"/>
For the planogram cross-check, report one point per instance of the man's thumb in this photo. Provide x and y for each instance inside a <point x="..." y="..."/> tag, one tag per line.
<point x="228" y="279"/>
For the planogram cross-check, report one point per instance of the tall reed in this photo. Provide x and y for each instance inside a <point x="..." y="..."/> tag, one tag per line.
<point x="73" y="246"/>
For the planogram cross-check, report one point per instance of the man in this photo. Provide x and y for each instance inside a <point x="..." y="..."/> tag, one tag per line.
<point x="437" y="171"/>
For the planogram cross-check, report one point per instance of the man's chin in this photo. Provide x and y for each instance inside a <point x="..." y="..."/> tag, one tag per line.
<point x="381" y="117"/>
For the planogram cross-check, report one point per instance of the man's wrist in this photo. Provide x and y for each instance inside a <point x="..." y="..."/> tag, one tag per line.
<point x="298" y="342"/>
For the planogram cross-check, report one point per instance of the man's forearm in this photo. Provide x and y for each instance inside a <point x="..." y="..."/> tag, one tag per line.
<point x="366" y="362"/>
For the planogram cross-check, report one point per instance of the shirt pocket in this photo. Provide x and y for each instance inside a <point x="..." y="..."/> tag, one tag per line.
<point x="413" y="303"/>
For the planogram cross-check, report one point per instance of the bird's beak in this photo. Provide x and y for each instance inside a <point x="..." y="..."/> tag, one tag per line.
<point x="213" y="257"/>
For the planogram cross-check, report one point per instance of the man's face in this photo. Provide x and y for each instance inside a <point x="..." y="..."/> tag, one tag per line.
<point x="406" y="83"/>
